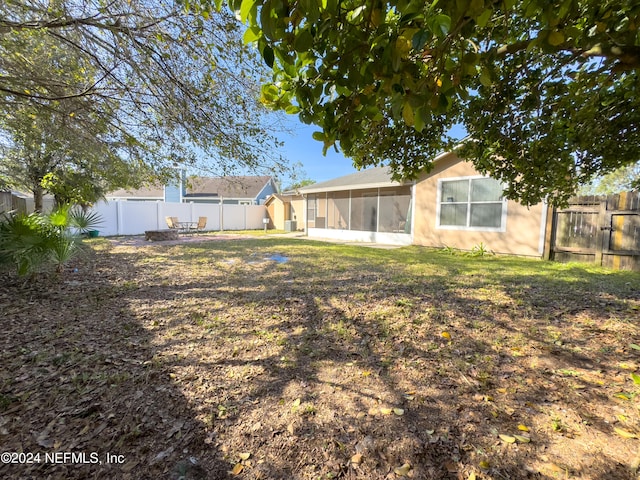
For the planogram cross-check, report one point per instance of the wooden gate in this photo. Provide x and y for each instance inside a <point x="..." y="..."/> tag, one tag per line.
<point x="604" y="230"/>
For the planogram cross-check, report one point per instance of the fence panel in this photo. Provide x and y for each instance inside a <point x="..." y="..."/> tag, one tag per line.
<point x="604" y="230"/>
<point x="133" y="218"/>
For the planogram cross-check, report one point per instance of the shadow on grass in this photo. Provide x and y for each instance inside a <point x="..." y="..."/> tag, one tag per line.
<point x="304" y="361"/>
<point x="331" y="365"/>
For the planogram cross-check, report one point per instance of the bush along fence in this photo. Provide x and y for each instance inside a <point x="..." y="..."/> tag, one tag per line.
<point x="134" y="218"/>
<point x="604" y="230"/>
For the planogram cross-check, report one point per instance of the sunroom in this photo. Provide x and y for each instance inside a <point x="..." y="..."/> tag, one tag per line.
<point x="363" y="207"/>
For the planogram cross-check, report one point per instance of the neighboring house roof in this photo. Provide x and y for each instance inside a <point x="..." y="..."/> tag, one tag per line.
<point x="226" y="187"/>
<point x="370" y="178"/>
<point x="144" y="192"/>
<point x="236" y="187"/>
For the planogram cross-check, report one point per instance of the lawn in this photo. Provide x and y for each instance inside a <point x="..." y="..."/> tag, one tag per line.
<point x="280" y="358"/>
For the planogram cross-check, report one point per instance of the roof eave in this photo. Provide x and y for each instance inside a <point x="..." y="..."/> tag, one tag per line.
<point x="364" y="186"/>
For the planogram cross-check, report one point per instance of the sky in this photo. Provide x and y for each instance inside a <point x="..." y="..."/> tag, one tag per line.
<point x="300" y="147"/>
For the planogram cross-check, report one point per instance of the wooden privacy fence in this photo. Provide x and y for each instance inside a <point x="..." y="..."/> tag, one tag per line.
<point x="9" y="202"/>
<point x="604" y="230"/>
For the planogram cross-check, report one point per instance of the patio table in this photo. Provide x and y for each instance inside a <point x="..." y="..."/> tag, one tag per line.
<point x="187" y="226"/>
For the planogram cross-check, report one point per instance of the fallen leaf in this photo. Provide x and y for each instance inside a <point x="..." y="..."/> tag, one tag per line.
<point x="472" y="476"/>
<point x="385" y="411"/>
<point x="357" y="458"/>
<point x="296" y="402"/>
<point x="522" y="439"/>
<point x="446" y="335"/>
<point x="238" y="467"/>
<point x="451" y="466"/>
<point x="636" y="378"/>
<point x="398" y="411"/>
<point x="507" y="438"/>
<point x="634" y="346"/>
<point x="403" y="470"/>
<point x="624" y="433"/>
<point x="244" y="456"/>
<point x="484" y="465"/>
<point x="523" y="428"/>
<point x="623" y="396"/>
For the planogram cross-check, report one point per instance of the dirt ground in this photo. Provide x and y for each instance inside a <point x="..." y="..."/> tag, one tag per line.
<point x="289" y="359"/>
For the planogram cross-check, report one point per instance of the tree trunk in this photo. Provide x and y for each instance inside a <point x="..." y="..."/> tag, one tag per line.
<point x="38" y="195"/>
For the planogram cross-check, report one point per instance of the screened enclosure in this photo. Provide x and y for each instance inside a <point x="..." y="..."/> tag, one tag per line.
<point x="385" y="210"/>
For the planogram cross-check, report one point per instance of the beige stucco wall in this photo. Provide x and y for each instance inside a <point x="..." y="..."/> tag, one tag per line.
<point x="522" y="235"/>
<point x="278" y="210"/>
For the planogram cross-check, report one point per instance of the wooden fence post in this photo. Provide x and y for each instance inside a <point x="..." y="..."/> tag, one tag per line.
<point x="600" y="233"/>
<point x="549" y="233"/>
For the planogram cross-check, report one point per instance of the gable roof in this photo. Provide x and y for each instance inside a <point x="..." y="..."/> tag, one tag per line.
<point x="370" y="178"/>
<point x="376" y="177"/>
<point x="227" y="187"/>
<point x="248" y="187"/>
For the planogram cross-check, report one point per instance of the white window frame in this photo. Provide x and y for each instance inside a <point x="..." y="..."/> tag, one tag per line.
<point x="467" y="227"/>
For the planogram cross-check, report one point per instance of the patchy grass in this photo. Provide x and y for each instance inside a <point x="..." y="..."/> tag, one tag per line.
<point x="291" y="359"/>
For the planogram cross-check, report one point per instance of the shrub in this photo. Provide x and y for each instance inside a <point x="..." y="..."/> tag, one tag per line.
<point x="34" y="242"/>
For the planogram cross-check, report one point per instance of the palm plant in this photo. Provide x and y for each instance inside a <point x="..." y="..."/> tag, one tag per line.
<point x="30" y="243"/>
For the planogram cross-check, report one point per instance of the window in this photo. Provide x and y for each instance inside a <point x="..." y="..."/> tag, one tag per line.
<point x="471" y="203"/>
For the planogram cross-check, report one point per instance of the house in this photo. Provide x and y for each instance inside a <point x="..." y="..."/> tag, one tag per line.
<point x="231" y="190"/>
<point x="452" y="205"/>
<point x="286" y="211"/>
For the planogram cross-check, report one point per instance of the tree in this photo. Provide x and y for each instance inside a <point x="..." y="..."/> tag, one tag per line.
<point x="299" y="184"/>
<point x="168" y="88"/>
<point x="620" y="180"/>
<point x="65" y="149"/>
<point x="547" y="90"/>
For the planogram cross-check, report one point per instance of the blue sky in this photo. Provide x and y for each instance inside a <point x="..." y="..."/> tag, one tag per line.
<point x="300" y="147"/>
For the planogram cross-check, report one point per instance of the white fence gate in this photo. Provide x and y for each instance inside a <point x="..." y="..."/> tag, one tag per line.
<point x="133" y="218"/>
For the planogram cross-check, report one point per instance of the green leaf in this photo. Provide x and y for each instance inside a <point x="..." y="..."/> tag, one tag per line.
<point x="555" y="38"/>
<point x="267" y="55"/>
<point x="303" y="41"/>
<point x="407" y="114"/>
<point x="420" y="39"/>
<point x="636" y="378"/>
<point x="484" y="17"/>
<point x="485" y="77"/>
<point x="440" y="24"/>
<point x="419" y="119"/>
<point x="245" y="9"/>
<point x="319" y="136"/>
<point x="251" y="35"/>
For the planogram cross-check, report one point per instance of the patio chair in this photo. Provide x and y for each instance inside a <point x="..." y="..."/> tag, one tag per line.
<point x="172" y="223"/>
<point x="202" y="222"/>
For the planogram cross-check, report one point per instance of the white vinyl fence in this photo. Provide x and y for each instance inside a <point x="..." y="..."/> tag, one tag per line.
<point x="133" y="218"/>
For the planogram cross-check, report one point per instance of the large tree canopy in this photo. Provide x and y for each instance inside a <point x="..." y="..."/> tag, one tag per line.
<point x="142" y="81"/>
<point x="548" y="91"/>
